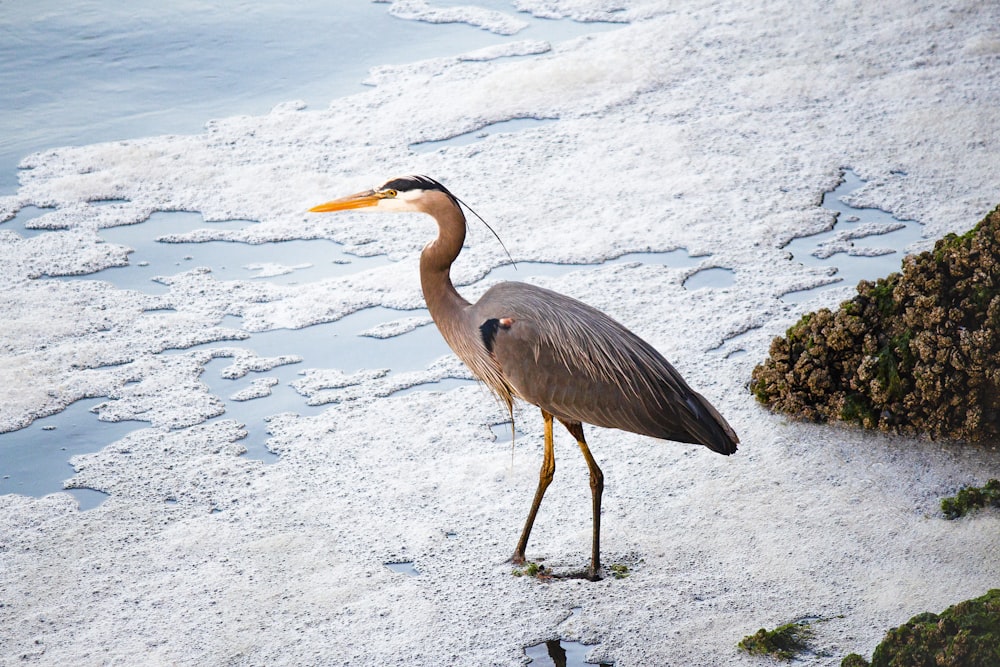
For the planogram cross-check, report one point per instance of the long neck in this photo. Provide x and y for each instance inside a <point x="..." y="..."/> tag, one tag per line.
<point x="450" y="311"/>
<point x="443" y="300"/>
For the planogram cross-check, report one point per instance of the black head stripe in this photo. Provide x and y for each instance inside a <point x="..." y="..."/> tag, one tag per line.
<point x="406" y="183"/>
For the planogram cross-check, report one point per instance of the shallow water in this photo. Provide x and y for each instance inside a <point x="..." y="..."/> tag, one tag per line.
<point x="561" y="652"/>
<point x="558" y="653"/>
<point x="404" y="567"/>
<point x="304" y="260"/>
<point x="99" y="70"/>
<point x="35" y="459"/>
<point x="503" y="433"/>
<point x="715" y="276"/>
<point x="891" y="243"/>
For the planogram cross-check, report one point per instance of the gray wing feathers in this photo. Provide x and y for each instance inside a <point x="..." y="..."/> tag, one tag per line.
<point x="579" y="364"/>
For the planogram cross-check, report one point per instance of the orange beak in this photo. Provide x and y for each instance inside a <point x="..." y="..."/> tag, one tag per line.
<point x="359" y="200"/>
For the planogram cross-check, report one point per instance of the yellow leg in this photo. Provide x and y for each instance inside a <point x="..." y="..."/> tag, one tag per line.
<point x="596" y="491"/>
<point x="545" y="476"/>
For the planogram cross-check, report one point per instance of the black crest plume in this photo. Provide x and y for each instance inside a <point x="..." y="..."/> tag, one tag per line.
<point x="416" y="182"/>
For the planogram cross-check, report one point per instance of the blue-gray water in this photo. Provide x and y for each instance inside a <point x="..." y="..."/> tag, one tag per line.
<point x="853" y="268"/>
<point x="100" y="70"/>
<point x="561" y="652"/>
<point x="35" y="459"/>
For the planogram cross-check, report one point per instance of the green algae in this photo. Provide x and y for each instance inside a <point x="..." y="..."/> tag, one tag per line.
<point x="964" y="635"/>
<point x="532" y="569"/>
<point x="784" y="642"/>
<point x="619" y="571"/>
<point x="971" y="498"/>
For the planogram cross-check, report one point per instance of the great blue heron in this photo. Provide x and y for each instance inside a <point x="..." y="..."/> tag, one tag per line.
<point x="572" y="361"/>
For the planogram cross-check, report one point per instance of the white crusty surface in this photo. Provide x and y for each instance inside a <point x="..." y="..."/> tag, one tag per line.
<point x="714" y="126"/>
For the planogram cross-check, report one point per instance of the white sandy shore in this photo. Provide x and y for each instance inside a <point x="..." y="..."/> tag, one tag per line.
<point x="714" y="126"/>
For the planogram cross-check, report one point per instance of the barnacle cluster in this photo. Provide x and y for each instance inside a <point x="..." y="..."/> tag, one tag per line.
<point x="915" y="352"/>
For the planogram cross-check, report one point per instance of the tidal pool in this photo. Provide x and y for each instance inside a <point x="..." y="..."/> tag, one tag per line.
<point x="864" y="243"/>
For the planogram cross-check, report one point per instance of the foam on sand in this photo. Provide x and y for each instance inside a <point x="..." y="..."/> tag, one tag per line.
<point x="712" y="126"/>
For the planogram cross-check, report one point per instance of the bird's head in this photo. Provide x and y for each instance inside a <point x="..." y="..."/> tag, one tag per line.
<point x="420" y="194"/>
<point x="407" y="193"/>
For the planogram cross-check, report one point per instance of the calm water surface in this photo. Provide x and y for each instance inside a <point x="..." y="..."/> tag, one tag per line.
<point x="100" y="70"/>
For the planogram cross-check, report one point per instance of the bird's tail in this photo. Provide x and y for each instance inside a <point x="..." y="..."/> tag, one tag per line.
<point x="712" y="429"/>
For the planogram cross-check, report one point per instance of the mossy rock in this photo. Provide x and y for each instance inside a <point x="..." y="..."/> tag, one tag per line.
<point x="964" y="635"/>
<point x="915" y="352"/>
<point x="971" y="498"/>
<point x="783" y="643"/>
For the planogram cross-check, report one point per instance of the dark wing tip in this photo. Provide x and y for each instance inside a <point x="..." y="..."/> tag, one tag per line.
<point x="715" y="432"/>
<point x="726" y="441"/>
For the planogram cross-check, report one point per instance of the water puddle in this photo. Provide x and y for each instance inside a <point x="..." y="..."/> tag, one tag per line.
<point x="283" y="262"/>
<point x="502" y="433"/>
<point x="501" y="127"/>
<point x="19" y="223"/>
<point x="557" y="653"/>
<point x="733" y="346"/>
<point x="87" y="499"/>
<point x="562" y="653"/>
<point x="280" y="398"/>
<point x="342" y="344"/>
<point x="403" y="567"/>
<point x="34" y="461"/>
<point x="711" y="277"/>
<point x="864" y="244"/>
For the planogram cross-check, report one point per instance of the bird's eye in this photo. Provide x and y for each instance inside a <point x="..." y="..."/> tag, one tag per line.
<point x="389" y="193"/>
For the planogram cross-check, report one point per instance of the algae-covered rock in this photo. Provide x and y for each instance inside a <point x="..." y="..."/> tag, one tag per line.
<point x="916" y="352"/>
<point x="783" y="643"/>
<point x="971" y="498"/>
<point x="964" y="635"/>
